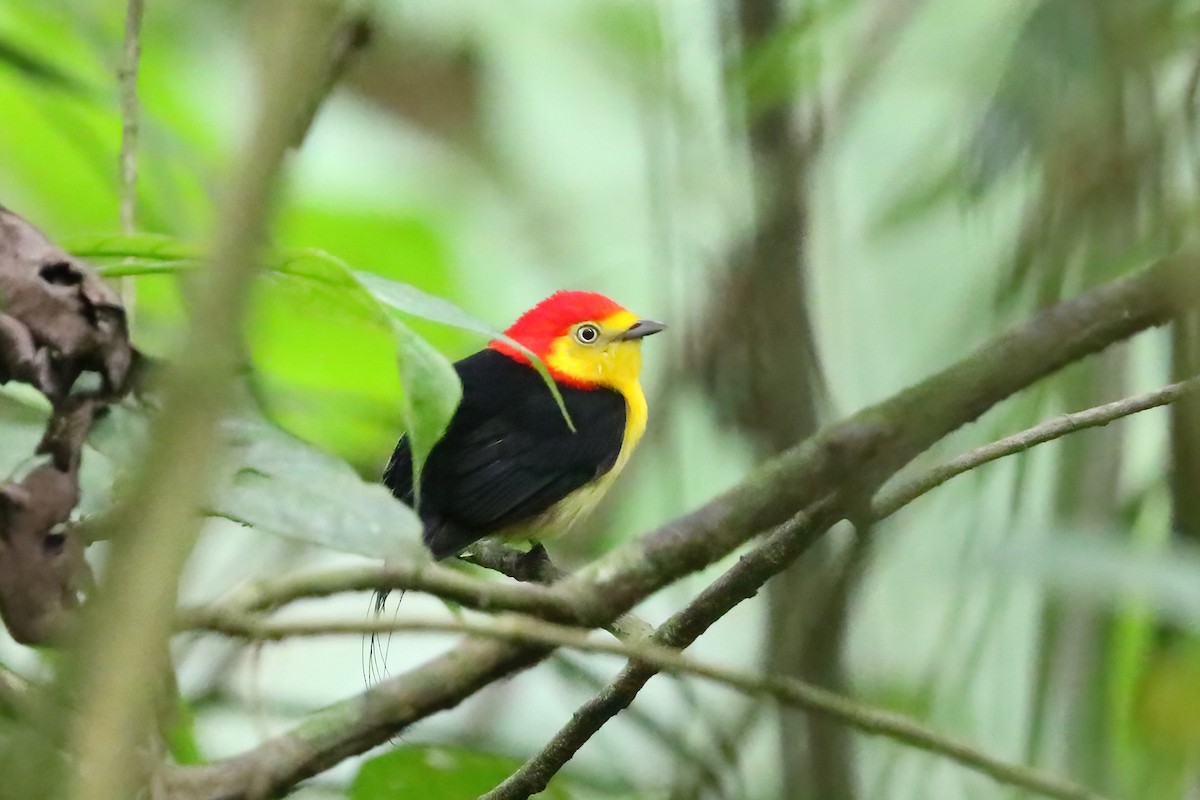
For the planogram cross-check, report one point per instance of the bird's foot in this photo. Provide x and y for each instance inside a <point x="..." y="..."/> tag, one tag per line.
<point x="531" y="567"/>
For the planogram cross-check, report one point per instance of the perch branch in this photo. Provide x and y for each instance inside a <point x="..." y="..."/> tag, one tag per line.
<point x="517" y="565"/>
<point x="435" y="579"/>
<point x="775" y="553"/>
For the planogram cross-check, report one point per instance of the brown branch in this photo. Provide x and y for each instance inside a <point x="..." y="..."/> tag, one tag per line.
<point x="430" y="578"/>
<point x="435" y="579"/>
<point x="776" y="552"/>
<point x="537" y="567"/>
<point x="742" y="581"/>
<point x="852" y="457"/>
<point x="860" y="717"/>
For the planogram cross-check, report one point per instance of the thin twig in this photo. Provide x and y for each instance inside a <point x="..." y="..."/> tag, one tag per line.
<point x="434" y="579"/>
<point x="431" y="578"/>
<point x="812" y="699"/>
<point x="738" y="583"/>
<point x="890" y="501"/>
<point x="127" y="77"/>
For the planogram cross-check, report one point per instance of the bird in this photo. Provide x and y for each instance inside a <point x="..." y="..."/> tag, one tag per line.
<point x="509" y="466"/>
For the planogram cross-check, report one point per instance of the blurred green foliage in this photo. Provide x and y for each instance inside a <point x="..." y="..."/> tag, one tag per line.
<point x="436" y="773"/>
<point x="1004" y="155"/>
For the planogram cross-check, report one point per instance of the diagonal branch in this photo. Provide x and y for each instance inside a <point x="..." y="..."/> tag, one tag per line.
<point x="776" y="552"/>
<point x="857" y="454"/>
<point x="533" y="599"/>
<point x="851" y="457"/>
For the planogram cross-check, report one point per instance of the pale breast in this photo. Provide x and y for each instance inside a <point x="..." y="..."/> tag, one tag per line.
<point x="566" y="513"/>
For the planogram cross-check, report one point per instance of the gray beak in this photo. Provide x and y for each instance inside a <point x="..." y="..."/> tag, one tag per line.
<point x="641" y="329"/>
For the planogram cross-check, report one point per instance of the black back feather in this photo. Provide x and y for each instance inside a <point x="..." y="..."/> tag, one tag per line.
<point x="507" y="455"/>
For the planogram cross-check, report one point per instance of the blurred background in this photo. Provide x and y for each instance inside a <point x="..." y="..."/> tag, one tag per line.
<point x="827" y="200"/>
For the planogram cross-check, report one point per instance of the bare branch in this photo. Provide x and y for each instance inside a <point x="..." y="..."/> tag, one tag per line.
<point x="863" y="718"/>
<point x="128" y="78"/>
<point x="740" y="582"/>
<point x="435" y="579"/>
<point x="536" y="566"/>
<point x="531" y="567"/>
<point x="776" y="552"/>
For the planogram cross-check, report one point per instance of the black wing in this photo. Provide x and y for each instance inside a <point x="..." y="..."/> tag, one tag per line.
<point x="507" y="454"/>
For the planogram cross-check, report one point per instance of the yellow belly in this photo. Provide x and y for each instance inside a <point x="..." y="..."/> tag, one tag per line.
<point x="566" y="513"/>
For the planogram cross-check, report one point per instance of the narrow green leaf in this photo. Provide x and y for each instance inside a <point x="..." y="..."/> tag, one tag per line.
<point x="143" y="246"/>
<point x="180" y="735"/>
<point x="284" y="487"/>
<point x="36" y="67"/>
<point x="138" y="268"/>
<point x="410" y="300"/>
<point x="432" y="392"/>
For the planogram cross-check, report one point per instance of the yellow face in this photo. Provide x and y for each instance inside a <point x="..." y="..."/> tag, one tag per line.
<point x="599" y="352"/>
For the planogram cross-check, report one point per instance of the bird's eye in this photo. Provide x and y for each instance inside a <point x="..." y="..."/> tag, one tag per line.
<point x="587" y="333"/>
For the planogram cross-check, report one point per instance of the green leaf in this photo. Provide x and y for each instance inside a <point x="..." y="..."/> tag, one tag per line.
<point x="181" y="734"/>
<point x="432" y="392"/>
<point x="37" y="68"/>
<point x="410" y="300"/>
<point x="149" y="247"/>
<point x="437" y="773"/>
<point x="285" y="487"/>
<point x="277" y="484"/>
<point x="325" y="365"/>
<point x="313" y="315"/>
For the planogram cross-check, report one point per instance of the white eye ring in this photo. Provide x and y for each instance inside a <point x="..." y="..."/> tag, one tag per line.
<point x="587" y="333"/>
